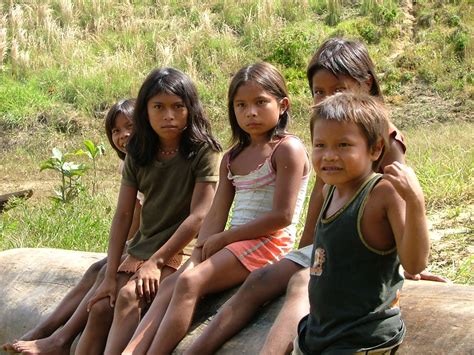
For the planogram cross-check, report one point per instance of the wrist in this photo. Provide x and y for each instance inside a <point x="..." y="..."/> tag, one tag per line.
<point x="157" y="261"/>
<point x="110" y="277"/>
<point x="416" y="201"/>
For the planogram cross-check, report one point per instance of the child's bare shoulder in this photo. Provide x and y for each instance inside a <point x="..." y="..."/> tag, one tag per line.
<point x="383" y="194"/>
<point x="290" y="146"/>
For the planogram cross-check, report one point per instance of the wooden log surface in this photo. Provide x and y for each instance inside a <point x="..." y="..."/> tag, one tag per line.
<point x="439" y="317"/>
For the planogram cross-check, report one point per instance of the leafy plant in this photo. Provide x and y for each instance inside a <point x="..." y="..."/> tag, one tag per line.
<point x="70" y="174"/>
<point x="93" y="151"/>
<point x="383" y="12"/>
<point x="334" y="12"/>
<point x="460" y="40"/>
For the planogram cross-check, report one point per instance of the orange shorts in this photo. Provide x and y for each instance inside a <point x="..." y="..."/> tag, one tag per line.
<point x="258" y="252"/>
<point x="131" y="264"/>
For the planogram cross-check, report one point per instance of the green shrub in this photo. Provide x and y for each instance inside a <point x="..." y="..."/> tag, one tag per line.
<point x="21" y="101"/>
<point x="382" y="12"/>
<point x="292" y="48"/>
<point x="459" y="40"/>
<point x="369" y="32"/>
<point x="334" y="12"/>
<point x="454" y="20"/>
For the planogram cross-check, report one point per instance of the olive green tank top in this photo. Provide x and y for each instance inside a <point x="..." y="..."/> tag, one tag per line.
<point x="354" y="289"/>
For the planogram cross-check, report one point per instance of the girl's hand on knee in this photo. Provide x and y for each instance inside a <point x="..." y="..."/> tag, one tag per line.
<point x="106" y="289"/>
<point x="211" y="245"/>
<point x="147" y="279"/>
<point x="196" y="256"/>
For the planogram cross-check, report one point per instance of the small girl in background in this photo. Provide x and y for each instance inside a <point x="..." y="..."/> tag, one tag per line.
<point x="118" y="128"/>
<point x="172" y="158"/>
<point x="264" y="175"/>
<point x="368" y="225"/>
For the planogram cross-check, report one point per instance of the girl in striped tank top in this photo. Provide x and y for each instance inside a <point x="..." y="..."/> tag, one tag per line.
<point x="264" y="176"/>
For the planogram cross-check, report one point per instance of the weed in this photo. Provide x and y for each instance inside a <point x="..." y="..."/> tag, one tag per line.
<point x="93" y="152"/>
<point x="459" y="39"/>
<point x="292" y="48"/>
<point x="369" y="32"/>
<point x="69" y="174"/>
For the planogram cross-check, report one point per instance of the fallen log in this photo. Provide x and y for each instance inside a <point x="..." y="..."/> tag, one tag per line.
<point x="439" y="317"/>
<point x="17" y="194"/>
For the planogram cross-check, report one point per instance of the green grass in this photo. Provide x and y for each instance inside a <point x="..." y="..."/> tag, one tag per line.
<point x="82" y="225"/>
<point x="443" y="157"/>
<point x="63" y="63"/>
<point x="76" y="57"/>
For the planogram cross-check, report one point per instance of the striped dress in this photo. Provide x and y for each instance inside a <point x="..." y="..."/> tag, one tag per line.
<point x="254" y="197"/>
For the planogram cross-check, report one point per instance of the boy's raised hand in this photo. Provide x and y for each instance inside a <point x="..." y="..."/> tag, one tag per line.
<point x="147" y="279"/>
<point x="404" y="180"/>
<point x="107" y="288"/>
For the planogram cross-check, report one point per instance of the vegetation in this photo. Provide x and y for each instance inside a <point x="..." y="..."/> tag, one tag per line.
<point x="63" y="63"/>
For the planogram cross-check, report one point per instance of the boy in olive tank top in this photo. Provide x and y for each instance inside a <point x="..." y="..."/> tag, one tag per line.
<point x="369" y="224"/>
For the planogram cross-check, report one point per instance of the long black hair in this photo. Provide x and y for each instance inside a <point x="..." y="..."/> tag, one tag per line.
<point x="342" y="56"/>
<point x="269" y="78"/>
<point x="124" y="107"/>
<point x="144" y="143"/>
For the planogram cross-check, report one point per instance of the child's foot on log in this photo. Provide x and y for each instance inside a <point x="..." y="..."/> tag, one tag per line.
<point x="50" y="345"/>
<point x="33" y="334"/>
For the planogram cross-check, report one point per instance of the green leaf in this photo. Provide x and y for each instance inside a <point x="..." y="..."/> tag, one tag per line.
<point x="47" y="164"/>
<point x="90" y="146"/>
<point x="57" y="154"/>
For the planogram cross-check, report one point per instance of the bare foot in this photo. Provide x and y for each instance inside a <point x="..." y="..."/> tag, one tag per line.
<point x="50" y="345"/>
<point x="36" y="333"/>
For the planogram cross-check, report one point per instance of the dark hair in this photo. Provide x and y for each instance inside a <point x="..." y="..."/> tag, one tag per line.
<point x="144" y="143"/>
<point x="270" y="79"/>
<point x="124" y="107"/>
<point x="344" y="57"/>
<point x="366" y="111"/>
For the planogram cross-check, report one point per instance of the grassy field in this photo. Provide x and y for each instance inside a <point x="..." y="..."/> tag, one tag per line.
<point x="63" y="63"/>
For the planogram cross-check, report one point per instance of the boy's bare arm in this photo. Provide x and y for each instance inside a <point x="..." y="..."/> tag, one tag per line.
<point x="407" y="216"/>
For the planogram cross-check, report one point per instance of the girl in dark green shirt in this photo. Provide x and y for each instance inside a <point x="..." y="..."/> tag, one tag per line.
<point x="173" y="160"/>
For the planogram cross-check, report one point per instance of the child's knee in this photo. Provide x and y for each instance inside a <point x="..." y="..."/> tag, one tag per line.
<point x="101" y="310"/>
<point x="127" y="295"/>
<point x="299" y="282"/>
<point x="187" y="282"/>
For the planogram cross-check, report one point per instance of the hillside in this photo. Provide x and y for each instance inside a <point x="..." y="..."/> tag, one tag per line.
<point x="63" y="63"/>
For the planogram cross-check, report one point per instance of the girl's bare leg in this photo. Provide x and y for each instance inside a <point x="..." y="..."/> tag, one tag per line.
<point x="127" y="313"/>
<point x="283" y="332"/>
<point x="99" y="319"/>
<point x="148" y="326"/>
<point x="60" y="341"/>
<point x="66" y="307"/>
<point x="220" y="272"/>
<point x="260" y="287"/>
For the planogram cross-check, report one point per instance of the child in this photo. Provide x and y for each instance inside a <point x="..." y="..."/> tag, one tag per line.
<point x="118" y="128"/>
<point x="265" y="176"/>
<point x="172" y="158"/>
<point x="364" y="223"/>
<point x="338" y="65"/>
